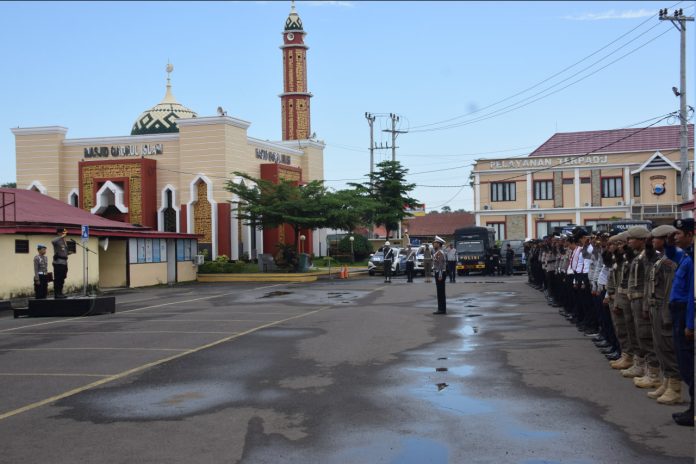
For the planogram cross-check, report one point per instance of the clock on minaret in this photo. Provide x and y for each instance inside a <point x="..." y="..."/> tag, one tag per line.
<point x="294" y="101"/>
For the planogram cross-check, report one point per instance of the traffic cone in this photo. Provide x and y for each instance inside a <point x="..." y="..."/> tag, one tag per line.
<point x="342" y="275"/>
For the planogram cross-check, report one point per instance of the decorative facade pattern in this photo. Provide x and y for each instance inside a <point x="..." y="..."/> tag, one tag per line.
<point x="202" y="214"/>
<point x="132" y="172"/>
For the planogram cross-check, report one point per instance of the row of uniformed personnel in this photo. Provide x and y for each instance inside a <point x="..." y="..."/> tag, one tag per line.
<point x="633" y="293"/>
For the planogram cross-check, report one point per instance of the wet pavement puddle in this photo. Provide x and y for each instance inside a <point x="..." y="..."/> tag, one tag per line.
<point x="307" y="296"/>
<point x="420" y="451"/>
<point x="275" y="293"/>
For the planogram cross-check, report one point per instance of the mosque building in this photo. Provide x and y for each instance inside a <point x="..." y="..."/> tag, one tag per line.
<point x="170" y="172"/>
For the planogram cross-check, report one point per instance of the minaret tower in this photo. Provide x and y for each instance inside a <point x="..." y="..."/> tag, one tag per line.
<point x="294" y="101"/>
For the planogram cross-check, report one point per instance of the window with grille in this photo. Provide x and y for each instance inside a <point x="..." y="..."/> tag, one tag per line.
<point x="21" y="246"/>
<point x="499" y="229"/>
<point x="636" y="185"/>
<point x="543" y="190"/>
<point x="612" y="187"/>
<point x="503" y="191"/>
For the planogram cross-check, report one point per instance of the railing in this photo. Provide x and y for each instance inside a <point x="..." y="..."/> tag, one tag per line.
<point x="648" y="211"/>
<point x="8" y="209"/>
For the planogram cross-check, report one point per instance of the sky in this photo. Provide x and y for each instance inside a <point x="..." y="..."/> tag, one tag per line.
<point x="469" y="80"/>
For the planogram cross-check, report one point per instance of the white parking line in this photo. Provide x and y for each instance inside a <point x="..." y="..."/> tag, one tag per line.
<point x="143" y="367"/>
<point x="143" y="308"/>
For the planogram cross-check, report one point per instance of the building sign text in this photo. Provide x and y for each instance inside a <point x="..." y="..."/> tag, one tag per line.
<point x="548" y="162"/>
<point x="272" y="156"/>
<point x="124" y="150"/>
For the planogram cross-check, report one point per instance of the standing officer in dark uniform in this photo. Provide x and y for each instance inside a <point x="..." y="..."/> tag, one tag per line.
<point x="388" y="260"/>
<point x="41" y="273"/>
<point x="509" y="257"/>
<point x="681" y="307"/>
<point x="440" y="271"/>
<point x="60" y="262"/>
<point x="410" y="263"/>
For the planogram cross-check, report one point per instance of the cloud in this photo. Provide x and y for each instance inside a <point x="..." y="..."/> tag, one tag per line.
<point x="612" y="14"/>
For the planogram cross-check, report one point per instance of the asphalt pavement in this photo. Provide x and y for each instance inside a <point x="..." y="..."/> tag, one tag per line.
<point x="335" y="371"/>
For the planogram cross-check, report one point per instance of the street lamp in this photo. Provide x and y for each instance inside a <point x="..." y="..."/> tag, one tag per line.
<point x="352" y="256"/>
<point x="302" y="239"/>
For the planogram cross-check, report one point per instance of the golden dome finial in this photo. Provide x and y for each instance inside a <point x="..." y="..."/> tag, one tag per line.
<point x="168" y="97"/>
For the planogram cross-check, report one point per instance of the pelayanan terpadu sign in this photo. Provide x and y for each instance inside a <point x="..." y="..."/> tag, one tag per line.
<point x="272" y="156"/>
<point x="124" y="150"/>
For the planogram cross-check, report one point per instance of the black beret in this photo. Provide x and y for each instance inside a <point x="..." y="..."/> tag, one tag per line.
<point x="685" y="224"/>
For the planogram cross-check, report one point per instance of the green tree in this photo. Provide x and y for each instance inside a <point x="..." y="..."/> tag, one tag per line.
<point x="269" y="205"/>
<point x="348" y="209"/>
<point x="11" y="185"/>
<point x="389" y="191"/>
<point x="446" y="209"/>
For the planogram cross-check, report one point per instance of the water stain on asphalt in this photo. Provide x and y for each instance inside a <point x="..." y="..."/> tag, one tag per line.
<point x="421" y="450"/>
<point x="284" y="333"/>
<point x="306" y="296"/>
<point x="440" y="369"/>
<point x="275" y="293"/>
<point x="166" y="402"/>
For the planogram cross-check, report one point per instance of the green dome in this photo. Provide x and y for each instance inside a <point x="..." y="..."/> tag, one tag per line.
<point x="293" y="23"/>
<point x="161" y="118"/>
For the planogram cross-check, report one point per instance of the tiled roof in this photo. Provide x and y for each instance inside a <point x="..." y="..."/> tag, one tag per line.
<point x="579" y="143"/>
<point x="439" y="223"/>
<point x="36" y="212"/>
<point x="37" y="208"/>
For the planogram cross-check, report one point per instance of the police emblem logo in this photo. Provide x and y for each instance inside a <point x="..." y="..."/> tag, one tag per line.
<point x="657" y="184"/>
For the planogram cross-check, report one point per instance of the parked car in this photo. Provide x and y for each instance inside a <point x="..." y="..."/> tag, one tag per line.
<point x="376" y="263"/>
<point x="518" y="262"/>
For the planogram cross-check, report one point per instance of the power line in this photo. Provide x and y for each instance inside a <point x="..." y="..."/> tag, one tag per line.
<point x="571" y="158"/>
<point x="518" y="105"/>
<point x="543" y="81"/>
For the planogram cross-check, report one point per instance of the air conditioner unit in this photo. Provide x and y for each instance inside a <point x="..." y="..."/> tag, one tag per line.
<point x="587" y="204"/>
<point x="535" y="206"/>
<point x="620" y="203"/>
<point x="486" y="206"/>
<point x="199" y="259"/>
<point x="540" y="215"/>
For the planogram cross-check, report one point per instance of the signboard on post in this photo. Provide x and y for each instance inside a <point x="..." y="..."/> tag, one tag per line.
<point x="85" y="234"/>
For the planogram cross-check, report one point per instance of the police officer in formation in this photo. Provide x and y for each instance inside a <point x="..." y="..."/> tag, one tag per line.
<point x="440" y="273"/>
<point x="388" y="253"/>
<point x="633" y="294"/>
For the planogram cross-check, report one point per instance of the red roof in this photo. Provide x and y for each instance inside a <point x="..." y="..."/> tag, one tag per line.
<point x="627" y="140"/>
<point x="438" y="223"/>
<point x="35" y="212"/>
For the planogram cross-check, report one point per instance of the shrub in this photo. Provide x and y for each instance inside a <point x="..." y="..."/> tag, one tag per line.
<point x="361" y="247"/>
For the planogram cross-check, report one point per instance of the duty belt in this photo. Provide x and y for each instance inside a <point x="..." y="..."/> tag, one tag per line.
<point x="635" y="295"/>
<point x="622" y="291"/>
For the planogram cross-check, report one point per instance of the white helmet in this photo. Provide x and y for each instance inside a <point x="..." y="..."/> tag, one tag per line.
<point x="387" y="243"/>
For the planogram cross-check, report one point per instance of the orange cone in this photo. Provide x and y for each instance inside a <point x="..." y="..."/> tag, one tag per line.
<point x="342" y="275"/>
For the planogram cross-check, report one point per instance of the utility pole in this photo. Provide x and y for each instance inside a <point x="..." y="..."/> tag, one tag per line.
<point x="370" y="120"/>
<point x="394" y="119"/>
<point x="679" y="21"/>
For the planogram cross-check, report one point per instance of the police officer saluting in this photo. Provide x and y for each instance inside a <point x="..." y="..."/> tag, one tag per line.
<point x="60" y="262"/>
